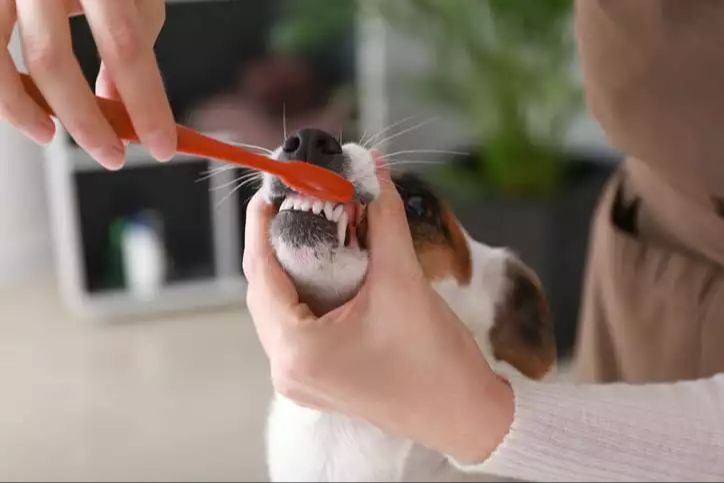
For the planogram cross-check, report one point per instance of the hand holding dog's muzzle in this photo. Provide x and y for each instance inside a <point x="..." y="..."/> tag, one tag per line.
<point x="395" y="355"/>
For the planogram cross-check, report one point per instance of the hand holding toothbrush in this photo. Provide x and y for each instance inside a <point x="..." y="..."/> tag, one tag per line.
<point x="125" y="32"/>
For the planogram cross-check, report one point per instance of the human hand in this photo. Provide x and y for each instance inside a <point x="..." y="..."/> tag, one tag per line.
<point x="395" y="355"/>
<point x="125" y="32"/>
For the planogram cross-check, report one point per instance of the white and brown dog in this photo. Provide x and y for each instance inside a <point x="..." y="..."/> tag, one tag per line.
<point x="322" y="246"/>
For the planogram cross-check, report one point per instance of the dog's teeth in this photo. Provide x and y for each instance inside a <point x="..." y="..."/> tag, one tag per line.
<point x="317" y="207"/>
<point x="328" y="210"/>
<point x="337" y="212"/>
<point x="286" y="204"/>
<point x="297" y="203"/>
<point x="306" y="204"/>
<point x="341" y="229"/>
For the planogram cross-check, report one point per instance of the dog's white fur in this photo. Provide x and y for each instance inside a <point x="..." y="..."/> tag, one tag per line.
<point x="309" y="445"/>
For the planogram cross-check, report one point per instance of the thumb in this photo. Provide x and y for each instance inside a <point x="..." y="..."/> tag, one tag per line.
<point x="389" y="239"/>
<point x="261" y="268"/>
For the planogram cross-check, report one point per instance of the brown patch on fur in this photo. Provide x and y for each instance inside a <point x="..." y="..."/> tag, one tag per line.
<point x="447" y="254"/>
<point x="522" y="334"/>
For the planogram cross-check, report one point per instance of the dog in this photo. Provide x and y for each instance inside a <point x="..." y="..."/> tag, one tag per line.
<point x="323" y="248"/>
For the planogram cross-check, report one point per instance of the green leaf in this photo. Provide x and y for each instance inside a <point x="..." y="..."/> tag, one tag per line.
<point x="308" y="25"/>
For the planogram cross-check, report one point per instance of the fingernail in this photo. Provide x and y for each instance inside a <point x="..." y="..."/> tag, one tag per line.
<point x="110" y="157"/>
<point x="161" y="144"/>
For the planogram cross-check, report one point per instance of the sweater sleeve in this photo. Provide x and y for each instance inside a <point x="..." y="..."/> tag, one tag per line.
<point x="561" y="432"/>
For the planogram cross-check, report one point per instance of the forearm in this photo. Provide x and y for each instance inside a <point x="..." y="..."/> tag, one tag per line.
<point x="618" y="432"/>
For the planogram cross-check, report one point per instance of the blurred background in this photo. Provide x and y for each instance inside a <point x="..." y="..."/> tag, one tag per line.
<point x="125" y="349"/>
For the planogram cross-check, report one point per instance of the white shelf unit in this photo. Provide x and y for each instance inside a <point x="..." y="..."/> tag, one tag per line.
<point x="225" y="287"/>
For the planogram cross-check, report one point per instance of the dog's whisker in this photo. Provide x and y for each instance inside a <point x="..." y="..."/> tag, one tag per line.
<point x="236" y="180"/>
<point x="225" y="185"/>
<point x="228" y="195"/>
<point x="384" y="130"/>
<point x="248" y="182"/>
<point x="364" y="135"/>
<point x="284" y="121"/>
<point x="404" y="162"/>
<point x="218" y="169"/>
<point x="213" y="172"/>
<point x="236" y="188"/>
<point x="427" y="151"/>
<point x="384" y="141"/>
<point x="261" y="149"/>
<point x="250" y="177"/>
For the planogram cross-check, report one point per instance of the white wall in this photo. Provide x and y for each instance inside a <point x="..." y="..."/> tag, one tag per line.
<point x="24" y="233"/>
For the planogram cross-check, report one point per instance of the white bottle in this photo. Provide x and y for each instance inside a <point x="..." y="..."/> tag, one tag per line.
<point x="144" y="258"/>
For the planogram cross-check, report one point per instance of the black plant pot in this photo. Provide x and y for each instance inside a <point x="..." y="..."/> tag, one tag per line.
<point x="550" y="235"/>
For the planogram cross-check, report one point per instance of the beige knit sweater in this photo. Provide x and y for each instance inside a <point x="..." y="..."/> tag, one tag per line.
<point x="617" y="432"/>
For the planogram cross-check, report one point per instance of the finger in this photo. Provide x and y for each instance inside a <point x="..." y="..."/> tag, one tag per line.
<point x="261" y="268"/>
<point x="73" y="8"/>
<point x="389" y="236"/>
<point x="105" y="87"/>
<point x="16" y="106"/>
<point x="48" y="54"/>
<point x="127" y="52"/>
<point x="153" y="15"/>
<point x="259" y="215"/>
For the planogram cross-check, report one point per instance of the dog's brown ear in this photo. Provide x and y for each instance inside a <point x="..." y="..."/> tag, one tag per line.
<point x="522" y="334"/>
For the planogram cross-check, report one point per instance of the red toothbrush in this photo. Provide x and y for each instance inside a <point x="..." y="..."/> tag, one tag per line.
<point x="306" y="178"/>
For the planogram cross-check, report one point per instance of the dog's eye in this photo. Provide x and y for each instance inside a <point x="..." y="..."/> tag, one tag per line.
<point x="418" y="206"/>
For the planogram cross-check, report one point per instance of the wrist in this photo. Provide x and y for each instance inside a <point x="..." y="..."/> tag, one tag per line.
<point x="487" y="418"/>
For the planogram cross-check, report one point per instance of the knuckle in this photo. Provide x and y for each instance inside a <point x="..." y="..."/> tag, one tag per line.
<point x="290" y="376"/>
<point x="123" y="40"/>
<point x="253" y="206"/>
<point x="45" y="57"/>
<point x="252" y="299"/>
<point x="286" y="388"/>
<point x="160" y="16"/>
<point x="394" y="210"/>
<point x="88" y="129"/>
<point x="250" y="264"/>
<point x="153" y="13"/>
<point x="254" y="264"/>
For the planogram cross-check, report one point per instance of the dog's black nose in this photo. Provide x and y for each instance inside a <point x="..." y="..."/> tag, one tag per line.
<point x="313" y="146"/>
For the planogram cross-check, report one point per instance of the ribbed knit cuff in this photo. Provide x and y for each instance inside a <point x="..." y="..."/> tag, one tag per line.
<point x="564" y="432"/>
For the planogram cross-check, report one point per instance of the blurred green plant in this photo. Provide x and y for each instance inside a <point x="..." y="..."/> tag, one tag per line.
<point x="305" y="26"/>
<point x="503" y="65"/>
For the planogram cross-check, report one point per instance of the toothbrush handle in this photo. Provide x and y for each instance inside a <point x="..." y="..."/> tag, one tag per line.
<point x="189" y="140"/>
<point x="113" y="111"/>
<point x="308" y="178"/>
<point x="193" y="142"/>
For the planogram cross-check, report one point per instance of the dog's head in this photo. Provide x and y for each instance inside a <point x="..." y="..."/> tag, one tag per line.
<point x="323" y="247"/>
